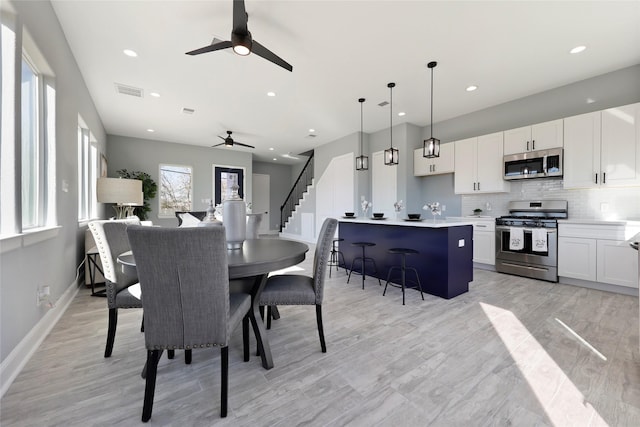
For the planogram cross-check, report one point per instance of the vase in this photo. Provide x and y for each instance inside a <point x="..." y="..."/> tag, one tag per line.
<point x="234" y="214"/>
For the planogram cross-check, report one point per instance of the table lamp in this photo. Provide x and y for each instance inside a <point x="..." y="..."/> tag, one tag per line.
<point x="125" y="193"/>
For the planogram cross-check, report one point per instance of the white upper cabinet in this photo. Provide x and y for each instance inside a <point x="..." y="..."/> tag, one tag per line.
<point x="541" y="136"/>
<point x="602" y="149"/>
<point x="582" y="151"/>
<point x="438" y="165"/>
<point x="620" y="150"/>
<point x="478" y="165"/>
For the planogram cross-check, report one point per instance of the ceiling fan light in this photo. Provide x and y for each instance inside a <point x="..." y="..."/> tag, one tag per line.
<point x="241" y="43"/>
<point x="431" y="148"/>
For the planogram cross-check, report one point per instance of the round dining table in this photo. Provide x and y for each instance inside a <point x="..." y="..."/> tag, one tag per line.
<point x="249" y="268"/>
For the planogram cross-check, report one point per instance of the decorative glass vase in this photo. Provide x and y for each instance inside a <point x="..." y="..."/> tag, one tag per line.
<point x="234" y="214"/>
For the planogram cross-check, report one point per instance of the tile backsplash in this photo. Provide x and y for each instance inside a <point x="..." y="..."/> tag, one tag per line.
<point x="597" y="203"/>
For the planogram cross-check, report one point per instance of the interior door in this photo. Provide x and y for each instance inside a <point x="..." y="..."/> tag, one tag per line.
<point x="261" y="185"/>
<point x="384" y="186"/>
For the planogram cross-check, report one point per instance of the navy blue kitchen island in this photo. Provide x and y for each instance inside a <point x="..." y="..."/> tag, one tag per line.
<point x="445" y="262"/>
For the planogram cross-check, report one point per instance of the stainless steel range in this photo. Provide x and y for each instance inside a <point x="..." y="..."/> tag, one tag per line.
<point x="527" y="238"/>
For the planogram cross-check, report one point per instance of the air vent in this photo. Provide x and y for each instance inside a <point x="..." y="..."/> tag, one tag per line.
<point x="383" y="104"/>
<point x="129" y="90"/>
<point x="186" y="110"/>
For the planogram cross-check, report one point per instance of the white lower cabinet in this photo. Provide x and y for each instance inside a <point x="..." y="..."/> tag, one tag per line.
<point x="577" y="258"/>
<point x="617" y="263"/>
<point x="484" y="246"/>
<point x="597" y="253"/>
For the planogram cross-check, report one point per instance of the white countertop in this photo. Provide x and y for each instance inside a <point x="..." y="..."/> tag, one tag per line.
<point x="592" y="221"/>
<point x="426" y="222"/>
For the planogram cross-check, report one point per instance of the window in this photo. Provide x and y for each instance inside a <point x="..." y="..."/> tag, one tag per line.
<point x="28" y="136"/>
<point x="176" y="191"/>
<point x="87" y="173"/>
<point x="31" y="149"/>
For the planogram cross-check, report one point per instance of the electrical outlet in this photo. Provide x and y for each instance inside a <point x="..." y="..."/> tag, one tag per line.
<point x="604" y="207"/>
<point x="42" y="295"/>
<point x="444" y="208"/>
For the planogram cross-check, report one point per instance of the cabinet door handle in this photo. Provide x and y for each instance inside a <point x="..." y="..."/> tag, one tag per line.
<point x="533" y="144"/>
<point x="527" y="145"/>
<point x="434" y="168"/>
<point x="478" y="186"/>
<point x="596" y="178"/>
<point x="474" y="186"/>
<point x="481" y="226"/>
<point x="604" y="177"/>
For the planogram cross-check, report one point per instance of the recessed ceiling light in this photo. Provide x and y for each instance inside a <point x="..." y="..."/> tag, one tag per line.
<point x="271" y="94"/>
<point x="471" y="88"/>
<point x="577" y="49"/>
<point x="130" y="53"/>
<point x="154" y="94"/>
<point x="590" y="100"/>
<point x="271" y="148"/>
<point x="150" y="130"/>
<point x="312" y="130"/>
<point x="401" y="113"/>
<point x="275" y="159"/>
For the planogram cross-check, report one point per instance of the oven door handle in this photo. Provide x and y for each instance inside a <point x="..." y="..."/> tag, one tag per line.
<point x="526" y="230"/>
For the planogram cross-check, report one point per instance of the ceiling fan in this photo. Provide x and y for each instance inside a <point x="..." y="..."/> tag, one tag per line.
<point x="229" y="142"/>
<point x="241" y="40"/>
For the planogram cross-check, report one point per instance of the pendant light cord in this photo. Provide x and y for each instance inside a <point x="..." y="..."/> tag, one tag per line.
<point x="432" y="103"/>
<point x="391" y="85"/>
<point x="361" y="100"/>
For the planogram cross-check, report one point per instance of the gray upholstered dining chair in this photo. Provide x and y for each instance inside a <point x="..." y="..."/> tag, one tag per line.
<point x="184" y="276"/>
<point x="296" y="289"/>
<point x="122" y="291"/>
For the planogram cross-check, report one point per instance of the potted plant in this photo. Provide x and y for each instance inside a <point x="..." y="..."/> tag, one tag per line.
<point x="477" y="212"/>
<point x="149" y="189"/>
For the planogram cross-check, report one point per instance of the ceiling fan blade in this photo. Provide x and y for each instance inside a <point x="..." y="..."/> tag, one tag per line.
<point x="222" y="138"/>
<point x="244" y="145"/>
<point x="240" y="16"/>
<point x="217" y="145"/>
<point x="212" y="47"/>
<point x="262" y="51"/>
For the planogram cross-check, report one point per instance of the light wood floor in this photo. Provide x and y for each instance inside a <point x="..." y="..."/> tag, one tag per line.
<point x="509" y="352"/>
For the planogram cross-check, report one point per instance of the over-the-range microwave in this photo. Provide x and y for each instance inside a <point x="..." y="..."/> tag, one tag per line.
<point x="533" y="164"/>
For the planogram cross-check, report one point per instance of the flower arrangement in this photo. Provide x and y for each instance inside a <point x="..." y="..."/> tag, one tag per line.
<point x="398" y="206"/>
<point x="365" y="205"/>
<point x="434" y="208"/>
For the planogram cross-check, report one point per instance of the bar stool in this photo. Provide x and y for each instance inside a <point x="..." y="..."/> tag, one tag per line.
<point x="334" y="257"/>
<point x="403" y="269"/>
<point x="363" y="259"/>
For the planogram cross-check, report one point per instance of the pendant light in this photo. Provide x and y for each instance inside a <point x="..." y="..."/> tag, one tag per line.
<point x="391" y="154"/>
<point x="431" y="146"/>
<point x="362" y="161"/>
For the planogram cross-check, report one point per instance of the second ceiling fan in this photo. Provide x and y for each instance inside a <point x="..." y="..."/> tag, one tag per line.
<point x="241" y="40"/>
<point x="229" y="142"/>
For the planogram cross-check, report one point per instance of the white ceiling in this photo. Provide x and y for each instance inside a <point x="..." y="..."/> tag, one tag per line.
<point x="340" y="51"/>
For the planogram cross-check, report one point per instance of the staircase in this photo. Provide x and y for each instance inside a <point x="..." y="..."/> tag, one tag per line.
<point x="299" y="189"/>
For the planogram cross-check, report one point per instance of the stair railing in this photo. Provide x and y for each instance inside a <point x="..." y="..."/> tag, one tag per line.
<point x="299" y="188"/>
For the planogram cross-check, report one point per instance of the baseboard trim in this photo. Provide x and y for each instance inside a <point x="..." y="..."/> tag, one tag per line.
<point x="22" y="353"/>
<point x="624" y="290"/>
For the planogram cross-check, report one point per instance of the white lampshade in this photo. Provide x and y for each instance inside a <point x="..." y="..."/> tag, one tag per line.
<point x="120" y="191"/>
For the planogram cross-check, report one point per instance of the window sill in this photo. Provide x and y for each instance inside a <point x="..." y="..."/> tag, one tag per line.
<point x="28" y="238"/>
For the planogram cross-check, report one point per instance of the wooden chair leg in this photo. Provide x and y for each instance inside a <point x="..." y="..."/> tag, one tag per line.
<point x="245" y="337"/>
<point x="153" y="356"/>
<point x="320" y="328"/>
<point x="111" y="332"/>
<point x="224" y="380"/>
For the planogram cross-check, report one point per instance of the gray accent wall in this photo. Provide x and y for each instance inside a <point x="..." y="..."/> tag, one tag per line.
<point x="144" y="155"/>
<point x="53" y="261"/>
